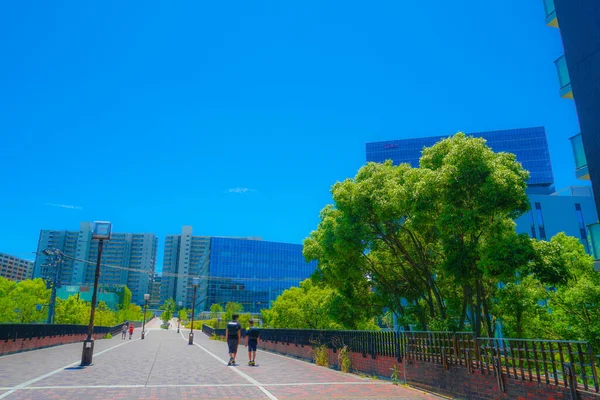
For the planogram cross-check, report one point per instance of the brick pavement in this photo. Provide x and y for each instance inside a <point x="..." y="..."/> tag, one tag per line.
<point x="164" y="366"/>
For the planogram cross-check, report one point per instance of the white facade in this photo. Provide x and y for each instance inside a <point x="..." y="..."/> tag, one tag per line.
<point x="182" y="258"/>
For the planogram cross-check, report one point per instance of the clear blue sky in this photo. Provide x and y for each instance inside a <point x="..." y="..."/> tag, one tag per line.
<point x="156" y="115"/>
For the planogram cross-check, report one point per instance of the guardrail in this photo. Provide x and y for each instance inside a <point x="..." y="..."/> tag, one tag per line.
<point x="571" y="364"/>
<point x="29" y="331"/>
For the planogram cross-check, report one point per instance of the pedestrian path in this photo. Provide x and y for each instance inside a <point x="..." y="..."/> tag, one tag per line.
<point x="165" y="366"/>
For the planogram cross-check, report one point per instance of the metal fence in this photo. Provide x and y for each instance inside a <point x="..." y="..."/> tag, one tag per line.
<point x="30" y="331"/>
<point x="571" y="364"/>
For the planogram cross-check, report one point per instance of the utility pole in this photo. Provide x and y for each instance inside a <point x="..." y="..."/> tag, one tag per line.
<point x="53" y="279"/>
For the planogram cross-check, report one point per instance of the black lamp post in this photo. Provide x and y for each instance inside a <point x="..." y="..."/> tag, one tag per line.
<point x="178" y="317"/>
<point x="101" y="231"/>
<point x="195" y="282"/>
<point x="146" y="298"/>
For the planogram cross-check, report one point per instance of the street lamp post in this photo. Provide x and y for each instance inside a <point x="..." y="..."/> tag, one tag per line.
<point x="146" y="298"/>
<point x="101" y="231"/>
<point x="195" y="282"/>
<point x="178" y="317"/>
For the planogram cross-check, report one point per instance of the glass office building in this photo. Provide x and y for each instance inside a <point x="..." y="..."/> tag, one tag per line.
<point x="551" y="212"/>
<point x="250" y="272"/>
<point x="530" y="145"/>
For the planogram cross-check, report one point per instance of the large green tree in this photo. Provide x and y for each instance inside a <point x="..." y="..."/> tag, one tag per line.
<point x="574" y="298"/>
<point x="429" y="241"/>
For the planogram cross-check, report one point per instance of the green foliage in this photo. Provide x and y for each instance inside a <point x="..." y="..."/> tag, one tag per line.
<point x="344" y="360"/>
<point x="183" y="315"/>
<point x="437" y="247"/>
<point x="426" y="238"/>
<point x="27" y="302"/>
<point x="72" y="311"/>
<point x="313" y="305"/>
<point x="232" y="308"/>
<point x="518" y="306"/>
<point x="169" y="308"/>
<point x="127" y="295"/>
<point x="395" y="375"/>
<point x="108" y="336"/>
<point x="23" y="302"/>
<point x="215" y="309"/>
<point x="321" y="355"/>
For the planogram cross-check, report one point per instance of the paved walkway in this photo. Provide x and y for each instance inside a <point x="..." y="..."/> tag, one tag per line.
<point x="164" y="366"/>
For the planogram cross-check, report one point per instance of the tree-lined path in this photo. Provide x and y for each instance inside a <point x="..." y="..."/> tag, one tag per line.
<point x="164" y="366"/>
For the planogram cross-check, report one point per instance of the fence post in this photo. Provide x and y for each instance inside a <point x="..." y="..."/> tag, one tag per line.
<point x="371" y="344"/>
<point x="571" y="378"/>
<point x="498" y="372"/>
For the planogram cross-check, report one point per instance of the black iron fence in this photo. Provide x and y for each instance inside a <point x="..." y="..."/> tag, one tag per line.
<point x="570" y="364"/>
<point x="30" y="331"/>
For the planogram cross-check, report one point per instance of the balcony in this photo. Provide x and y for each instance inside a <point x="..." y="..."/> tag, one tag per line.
<point x="551" y="19"/>
<point x="594" y="240"/>
<point x="563" y="78"/>
<point x="581" y="168"/>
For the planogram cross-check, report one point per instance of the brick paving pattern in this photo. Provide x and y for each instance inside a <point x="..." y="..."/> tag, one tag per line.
<point x="164" y="366"/>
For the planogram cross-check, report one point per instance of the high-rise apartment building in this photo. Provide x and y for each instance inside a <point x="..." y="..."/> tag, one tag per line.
<point x="155" y="292"/>
<point x="249" y="270"/>
<point x="579" y="78"/>
<point x="127" y="259"/>
<point x="15" y="268"/>
<point x="182" y="257"/>
<point x="551" y="212"/>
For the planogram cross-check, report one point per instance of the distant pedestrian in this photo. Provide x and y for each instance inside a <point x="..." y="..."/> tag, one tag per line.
<point x="123" y="331"/>
<point x="252" y="337"/>
<point x="232" y="336"/>
<point x="130" y="330"/>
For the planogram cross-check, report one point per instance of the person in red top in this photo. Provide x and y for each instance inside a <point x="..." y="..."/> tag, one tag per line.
<point x="130" y="330"/>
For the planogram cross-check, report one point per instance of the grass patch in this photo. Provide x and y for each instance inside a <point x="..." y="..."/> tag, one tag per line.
<point x="321" y="356"/>
<point x="344" y="359"/>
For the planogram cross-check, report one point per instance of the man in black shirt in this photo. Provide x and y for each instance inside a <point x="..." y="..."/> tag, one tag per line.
<point x="251" y="342"/>
<point x="232" y="336"/>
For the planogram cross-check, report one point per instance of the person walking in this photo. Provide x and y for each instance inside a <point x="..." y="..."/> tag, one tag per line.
<point x="252" y="336"/>
<point x="124" y="331"/>
<point x="130" y="330"/>
<point x="232" y="336"/>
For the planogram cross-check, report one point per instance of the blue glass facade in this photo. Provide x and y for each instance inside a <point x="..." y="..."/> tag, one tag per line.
<point x="251" y="272"/>
<point x="530" y="145"/>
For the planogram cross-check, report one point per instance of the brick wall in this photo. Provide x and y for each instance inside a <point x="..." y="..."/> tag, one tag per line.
<point x="18" y="345"/>
<point x="456" y="381"/>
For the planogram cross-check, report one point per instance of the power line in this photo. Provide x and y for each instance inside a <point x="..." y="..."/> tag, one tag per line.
<point x="174" y="275"/>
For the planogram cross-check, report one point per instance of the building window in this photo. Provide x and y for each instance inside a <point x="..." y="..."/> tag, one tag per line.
<point x="533" y="235"/>
<point x="582" y="230"/>
<point x="540" y="220"/>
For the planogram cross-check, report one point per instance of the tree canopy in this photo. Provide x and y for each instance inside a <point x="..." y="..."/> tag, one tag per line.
<point x="437" y="246"/>
<point x="312" y="305"/>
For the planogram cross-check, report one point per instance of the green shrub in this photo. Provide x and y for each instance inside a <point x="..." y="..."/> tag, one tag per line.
<point x="108" y="336"/>
<point x="395" y="374"/>
<point x="321" y="355"/>
<point x="344" y="359"/>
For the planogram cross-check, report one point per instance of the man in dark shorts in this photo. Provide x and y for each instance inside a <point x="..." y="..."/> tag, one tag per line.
<point x="232" y="336"/>
<point x="252" y="336"/>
